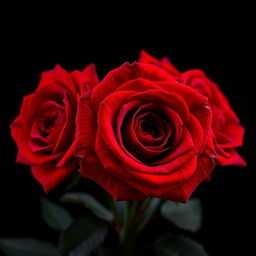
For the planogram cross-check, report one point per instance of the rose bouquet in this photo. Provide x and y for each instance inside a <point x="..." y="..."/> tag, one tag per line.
<point x="146" y="133"/>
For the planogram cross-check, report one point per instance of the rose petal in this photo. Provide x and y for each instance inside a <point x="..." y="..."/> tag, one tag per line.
<point x="92" y="168"/>
<point x="171" y="100"/>
<point x="126" y="108"/>
<point x="22" y="138"/>
<point x="169" y="67"/>
<point x="177" y="125"/>
<point x="123" y="74"/>
<point x="106" y="122"/>
<point x="164" y="63"/>
<point x="146" y="139"/>
<point x="138" y="84"/>
<point x="193" y="99"/>
<point x="186" y="144"/>
<point x="49" y="176"/>
<point x="226" y="126"/>
<point x="59" y="76"/>
<point x="81" y="80"/>
<point x="233" y="158"/>
<point x="130" y="136"/>
<point x="156" y="178"/>
<point x="67" y="133"/>
<point x="86" y="127"/>
<point x="234" y="133"/>
<point x="68" y="156"/>
<point x="90" y="71"/>
<point x="183" y="191"/>
<point x="32" y="103"/>
<point x="134" y="146"/>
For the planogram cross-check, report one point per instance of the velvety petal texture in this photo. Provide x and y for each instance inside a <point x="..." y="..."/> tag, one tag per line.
<point x="44" y="131"/>
<point x="145" y="130"/>
<point x="163" y="63"/>
<point x="227" y="131"/>
<point x="141" y="133"/>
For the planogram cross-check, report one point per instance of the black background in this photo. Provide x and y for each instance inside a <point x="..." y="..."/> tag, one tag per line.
<point x="220" y="43"/>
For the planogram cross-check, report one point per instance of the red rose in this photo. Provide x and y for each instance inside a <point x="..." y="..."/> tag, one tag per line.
<point x="142" y="134"/>
<point x="163" y="63"/>
<point x="228" y="132"/>
<point x="44" y="131"/>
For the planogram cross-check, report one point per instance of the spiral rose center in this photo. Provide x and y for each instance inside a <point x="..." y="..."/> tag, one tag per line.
<point x="149" y="128"/>
<point x="147" y="133"/>
<point x="49" y="121"/>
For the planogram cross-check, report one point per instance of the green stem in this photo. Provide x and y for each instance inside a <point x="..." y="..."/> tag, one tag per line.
<point x="127" y="220"/>
<point x="137" y="216"/>
<point x="114" y="209"/>
<point x="145" y="204"/>
<point x="147" y="216"/>
<point x="130" y="232"/>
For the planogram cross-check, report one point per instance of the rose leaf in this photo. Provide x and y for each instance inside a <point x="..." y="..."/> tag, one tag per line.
<point x="187" y="216"/>
<point x="88" y="202"/>
<point x="55" y="216"/>
<point x="177" y="245"/>
<point x="27" y="247"/>
<point x="82" y="237"/>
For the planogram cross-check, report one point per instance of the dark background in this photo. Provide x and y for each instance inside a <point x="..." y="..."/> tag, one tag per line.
<point x="221" y="43"/>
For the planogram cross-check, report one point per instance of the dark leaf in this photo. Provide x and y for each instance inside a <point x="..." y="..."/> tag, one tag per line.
<point x="187" y="216"/>
<point x="55" y="216"/>
<point x="89" y="202"/>
<point x="175" y="245"/>
<point x="153" y="206"/>
<point x="120" y="205"/>
<point x="82" y="237"/>
<point x="27" y="247"/>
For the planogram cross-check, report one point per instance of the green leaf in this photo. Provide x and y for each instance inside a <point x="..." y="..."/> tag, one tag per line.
<point x="187" y="216"/>
<point x="152" y="207"/>
<point x="176" y="245"/>
<point x="27" y="247"/>
<point x="120" y="205"/>
<point x="55" y="216"/>
<point x="118" y="210"/>
<point x="89" y="202"/>
<point x="82" y="237"/>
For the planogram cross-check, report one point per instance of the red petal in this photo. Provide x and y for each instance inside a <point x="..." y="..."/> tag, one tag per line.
<point x="146" y="58"/>
<point x="81" y="80"/>
<point x="193" y="99"/>
<point x="58" y="75"/>
<point x="233" y="159"/>
<point x="234" y="133"/>
<point x="164" y="63"/>
<point x="123" y="74"/>
<point x="67" y="134"/>
<point x="183" y="191"/>
<point x="92" y="168"/>
<point x="86" y="127"/>
<point x="152" y="181"/>
<point x="111" y="105"/>
<point x="22" y="140"/>
<point x="138" y="84"/>
<point x="50" y="177"/>
<point x="90" y="71"/>
<point x="68" y="155"/>
<point x="169" y="67"/>
<point x="186" y="144"/>
<point x="136" y="148"/>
